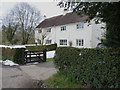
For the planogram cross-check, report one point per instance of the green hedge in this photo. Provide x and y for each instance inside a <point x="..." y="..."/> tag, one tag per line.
<point x="19" y="56"/>
<point x="14" y="54"/>
<point x="97" y="68"/>
<point x="7" y="53"/>
<point x="47" y="47"/>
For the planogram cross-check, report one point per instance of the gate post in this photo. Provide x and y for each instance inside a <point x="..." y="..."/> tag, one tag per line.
<point x="25" y="57"/>
<point x="44" y="55"/>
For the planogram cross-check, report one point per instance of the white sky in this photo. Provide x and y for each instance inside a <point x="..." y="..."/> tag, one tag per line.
<point x="46" y="7"/>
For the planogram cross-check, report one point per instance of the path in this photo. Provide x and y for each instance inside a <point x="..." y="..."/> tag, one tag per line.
<point x="41" y="71"/>
<point x="25" y="76"/>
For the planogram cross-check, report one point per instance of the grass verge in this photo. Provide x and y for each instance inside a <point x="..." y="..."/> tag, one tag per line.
<point x="59" y="80"/>
<point x="50" y="59"/>
<point x="3" y="58"/>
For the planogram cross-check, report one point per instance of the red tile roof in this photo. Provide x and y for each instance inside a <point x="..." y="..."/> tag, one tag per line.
<point x="62" y="20"/>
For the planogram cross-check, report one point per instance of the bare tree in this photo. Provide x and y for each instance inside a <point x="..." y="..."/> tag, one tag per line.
<point x="42" y="38"/>
<point x="26" y="17"/>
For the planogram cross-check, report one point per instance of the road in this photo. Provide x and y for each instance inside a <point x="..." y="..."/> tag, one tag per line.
<point x="26" y="76"/>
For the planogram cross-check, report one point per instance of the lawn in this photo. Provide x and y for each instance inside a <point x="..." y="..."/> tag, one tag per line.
<point x="59" y="80"/>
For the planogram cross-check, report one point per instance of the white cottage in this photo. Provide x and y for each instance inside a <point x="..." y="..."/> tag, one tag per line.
<point x="69" y="29"/>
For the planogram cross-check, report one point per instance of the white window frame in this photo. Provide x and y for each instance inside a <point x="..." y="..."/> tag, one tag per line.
<point x="40" y="31"/>
<point x="49" y="30"/>
<point x="48" y="41"/>
<point x="63" y="28"/>
<point x="79" y="42"/>
<point x="39" y="41"/>
<point x="63" y="42"/>
<point x="80" y="26"/>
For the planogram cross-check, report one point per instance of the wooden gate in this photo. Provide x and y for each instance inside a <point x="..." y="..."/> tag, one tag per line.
<point x="35" y="56"/>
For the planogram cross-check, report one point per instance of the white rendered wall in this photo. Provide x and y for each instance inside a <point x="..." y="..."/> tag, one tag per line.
<point x="89" y="34"/>
<point x="97" y="34"/>
<point x="72" y="33"/>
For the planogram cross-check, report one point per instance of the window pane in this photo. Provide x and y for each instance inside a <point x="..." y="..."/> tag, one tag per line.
<point x="63" y="42"/>
<point x="79" y="42"/>
<point x="39" y="31"/>
<point x="77" y="26"/>
<point x="82" y="42"/>
<point x="49" y="30"/>
<point x="48" y="41"/>
<point x="63" y="28"/>
<point x="80" y="26"/>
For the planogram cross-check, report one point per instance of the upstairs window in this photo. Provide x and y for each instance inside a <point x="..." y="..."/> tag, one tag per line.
<point x="48" y="41"/>
<point x="63" y="28"/>
<point x="40" y="31"/>
<point x="63" y="42"/>
<point x="49" y="30"/>
<point x="39" y="41"/>
<point x="79" y="42"/>
<point x="80" y="26"/>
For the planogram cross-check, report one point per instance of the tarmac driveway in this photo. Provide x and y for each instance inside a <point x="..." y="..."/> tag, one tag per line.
<point x="26" y="76"/>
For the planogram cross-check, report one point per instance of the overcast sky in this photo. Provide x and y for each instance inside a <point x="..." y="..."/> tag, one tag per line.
<point x="46" y="7"/>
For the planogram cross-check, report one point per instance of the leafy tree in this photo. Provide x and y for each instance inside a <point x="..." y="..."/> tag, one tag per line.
<point x="107" y="12"/>
<point x="9" y="32"/>
<point x="9" y="29"/>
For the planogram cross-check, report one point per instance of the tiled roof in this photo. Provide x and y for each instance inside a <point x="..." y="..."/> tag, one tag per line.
<point x="62" y="20"/>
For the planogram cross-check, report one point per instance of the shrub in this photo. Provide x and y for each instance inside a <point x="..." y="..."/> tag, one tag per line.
<point x="97" y="68"/>
<point x="14" y="54"/>
<point x="19" y="56"/>
<point x="7" y="53"/>
<point x="47" y="47"/>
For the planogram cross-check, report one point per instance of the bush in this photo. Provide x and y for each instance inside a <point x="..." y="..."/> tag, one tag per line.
<point x="94" y="67"/>
<point x="47" y="47"/>
<point x="19" y="56"/>
<point x="14" y="54"/>
<point x="7" y="53"/>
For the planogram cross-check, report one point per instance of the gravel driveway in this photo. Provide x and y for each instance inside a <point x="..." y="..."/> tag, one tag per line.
<point x="26" y="76"/>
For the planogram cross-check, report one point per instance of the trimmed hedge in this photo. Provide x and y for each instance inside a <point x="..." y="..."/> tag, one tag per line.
<point x="19" y="56"/>
<point x="97" y="67"/>
<point x="14" y="54"/>
<point x="47" y="47"/>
